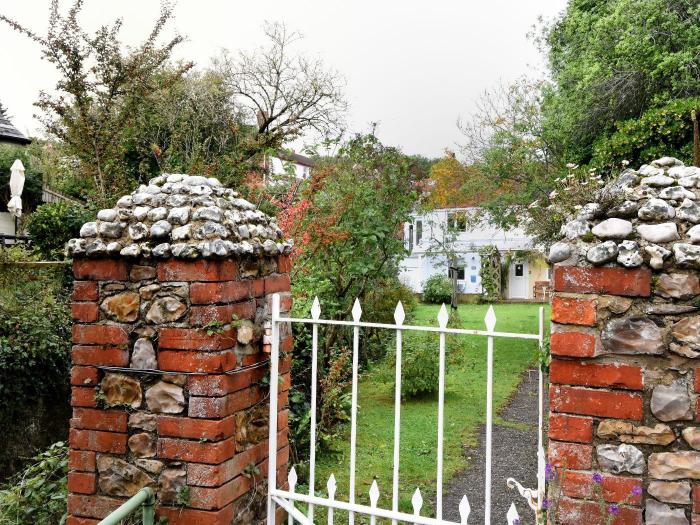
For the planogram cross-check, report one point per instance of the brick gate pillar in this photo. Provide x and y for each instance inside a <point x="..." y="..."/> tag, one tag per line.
<point x="625" y="345"/>
<point x="171" y="297"/>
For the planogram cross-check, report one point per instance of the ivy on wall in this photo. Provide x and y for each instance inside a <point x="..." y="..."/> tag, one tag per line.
<point x="490" y="273"/>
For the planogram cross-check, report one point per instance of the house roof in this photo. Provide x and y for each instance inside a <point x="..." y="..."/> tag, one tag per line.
<point x="9" y="133"/>
<point x="296" y="158"/>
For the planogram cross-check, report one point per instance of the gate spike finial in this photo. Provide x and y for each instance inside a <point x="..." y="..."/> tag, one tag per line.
<point x="490" y="319"/>
<point x="399" y="314"/>
<point x="331" y="486"/>
<point x="464" y="510"/>
<point x="292" y="479"/>
<point x="356" y="311"/>
<point x="443" y="316"/>
<point x="417" y="502"/>
<point x="316" y="309"/>
<point x="513" y="517"/>
<point x="374" y="494"/>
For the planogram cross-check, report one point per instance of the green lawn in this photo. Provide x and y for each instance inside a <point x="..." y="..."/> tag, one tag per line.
<point x="465" y="396"/>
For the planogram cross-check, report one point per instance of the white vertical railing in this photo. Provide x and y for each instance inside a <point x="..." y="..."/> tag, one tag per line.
<point x="315" y="314"/>
<point x="356" y="314"/>
<point x="286" y="499"/>
<point x="490" y="321"/>
<point x="443" y="318"/>
<point x="272" y="440"/>
<point x="399" y="317"/>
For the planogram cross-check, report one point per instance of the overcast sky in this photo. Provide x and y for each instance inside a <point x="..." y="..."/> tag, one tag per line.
<point x="413" y="66"/>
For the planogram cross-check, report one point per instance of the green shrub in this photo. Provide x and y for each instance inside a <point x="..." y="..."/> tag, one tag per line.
<point x="37" y="495"/>
<point x="420" y="364"/>
<point x="52" y="225"/>
<point x="437" y="289"/>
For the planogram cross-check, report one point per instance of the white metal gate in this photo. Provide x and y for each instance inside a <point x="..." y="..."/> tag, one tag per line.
<point x="287" y="498"/>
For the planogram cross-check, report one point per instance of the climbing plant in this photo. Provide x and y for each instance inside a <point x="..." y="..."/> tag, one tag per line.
<point x="490" y="273"/>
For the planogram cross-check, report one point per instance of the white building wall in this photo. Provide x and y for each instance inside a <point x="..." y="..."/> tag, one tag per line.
<point x="419" y="265"/>
<point x="283" y="167"/>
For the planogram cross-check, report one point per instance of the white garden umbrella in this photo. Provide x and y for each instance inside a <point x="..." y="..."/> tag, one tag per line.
<point x="16" y="187"/>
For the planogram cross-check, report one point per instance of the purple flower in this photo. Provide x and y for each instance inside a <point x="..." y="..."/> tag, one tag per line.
<point x="516" y="521"/>
<point x="614" y="509"/>
<point x="597" y="478"/>
<point x="637" y="491"/>
<point x="545" y="504"/>
<point x="549" y="472"/>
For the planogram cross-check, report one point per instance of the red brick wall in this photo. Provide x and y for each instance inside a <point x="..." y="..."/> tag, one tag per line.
<point x="215" y="435"/>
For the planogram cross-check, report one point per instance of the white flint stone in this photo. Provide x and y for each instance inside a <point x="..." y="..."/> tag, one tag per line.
<point x="96" y="248"/>
<point x="113" y="248"/>
<point x="612" y="229"/>
<point x="182" y="233"/>
<point x="689" y="211"/>
<point x="141" y="198"/>
<point x="629" y="255"/>
<point x="692" y="181"/>
<point x="138" y="231"/>
<point x="125" y="202"/>
<point x="666" y="162"/>
<point x="110" y="230"/>
<point x="162" y="250"/>
<point x="656" y="210"/>
<point x="210" y="213"/>
<point x="89" y="229"/>
<point x="157" y="214"/>
<point x="658" y="181"/>
<point x="676" y="193"/>
<point x="108" y="215"/>
<point x="648" y="171"/>
<point x="602" y="253"/>
<point x="665" y="232"/>
<point x="694" y="233"/>
<point x="141" y="212"/>
<point x="161" y="229"/>
<point x="179" y="215"/>
<point x="687" y="255"/>
<point x="133" y="250"/>
<point x="657" y="513"/>
<point x="658" y="256"/>
<point x="175" y="177"/>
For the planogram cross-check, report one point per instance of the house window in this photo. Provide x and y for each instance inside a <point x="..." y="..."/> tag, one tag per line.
<point x="459" y="270"/>
<point x="457" y="220"/>
<point x="519" y="270"/>
<point x="419" y="231"/>
<point x="410" y="238"/>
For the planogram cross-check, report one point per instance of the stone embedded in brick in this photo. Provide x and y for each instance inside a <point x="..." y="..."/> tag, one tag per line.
<point x="580" y="512"/>
<point x="601" y="403"/>
<point x="615" y="489"/>
<point x="91" y="419"/>
<point x="573" y="344"/>
<point x="195" y="339"/>
<point x="200" y="270"/>
<point x="277" y="283"/>
<point x="195" y="451"/>
<point x="201" y="362"/>
<point x="84" y="312"/>
<point x="570" y="428"/>
<point x="92" y="506"/>
<point x="84" y="291"/>
<point x="226" y="292"/>
<point x="98" y="441"/>
<point x="99" y="355"/>
<point x="614" y="375"/>
<point x="190" y="428"/>
<point x="100" y="270"/>
<point x="87" y="334"/>
<point x="81" y="460"/>
<point x="202" y="315"/>
<point x="84" y="376"/>
<point x="83" y="396"/>
<point x="82" y="482"/>
<point x="613" y="281"/>
<point x="570" y="455"/>
<point x="572" y="310"/>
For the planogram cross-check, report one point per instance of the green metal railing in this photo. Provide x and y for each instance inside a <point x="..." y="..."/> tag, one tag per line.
<point x="144" y="498"/>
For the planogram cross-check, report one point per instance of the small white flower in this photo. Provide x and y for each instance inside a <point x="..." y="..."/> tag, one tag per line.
<point x="625" y="162"/>
<point x="534" y="204"/>
<point x="571" y="166"/>
<point x="584" y="183"/>
<point x="578" y="207"/>
<point x="553" y="194"/>
<point x="600" y="183"/>
<point x="570" y="176"/>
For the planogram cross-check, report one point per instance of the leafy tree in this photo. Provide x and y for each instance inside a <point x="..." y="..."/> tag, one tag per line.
<point x="448" y="180"/>
<point x="612" y="62"/>
<point x="100" y="88"/>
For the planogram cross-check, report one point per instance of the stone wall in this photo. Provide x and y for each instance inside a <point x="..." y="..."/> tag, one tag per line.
<point x="169" y="355"/>
<point x="625" y="344"/>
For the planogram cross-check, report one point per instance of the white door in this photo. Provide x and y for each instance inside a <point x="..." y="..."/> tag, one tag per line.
<point x="518" y="280"/>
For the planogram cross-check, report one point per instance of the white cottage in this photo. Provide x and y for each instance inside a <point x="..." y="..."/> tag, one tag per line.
<point x="528" y="273"/>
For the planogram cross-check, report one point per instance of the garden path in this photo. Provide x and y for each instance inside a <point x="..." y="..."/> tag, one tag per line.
<point x="514" y="456"/>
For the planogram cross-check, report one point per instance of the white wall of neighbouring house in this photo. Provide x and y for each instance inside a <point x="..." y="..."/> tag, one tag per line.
<point x="425" y="232"/>
<point x="7" y="223"/>
<point x="278" y="166"/>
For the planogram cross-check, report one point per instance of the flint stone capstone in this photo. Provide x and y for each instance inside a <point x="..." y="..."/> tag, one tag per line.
<point x="677" y="286"/>
<point x="665" y="232"/>
<point x="657" y="513"/>
<point x="632" y="335"/>
<point x="670" y="491"/>
<point x="602" y="253"/>
<point x="612" y="229"/>
<point x="692" y="437"/>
